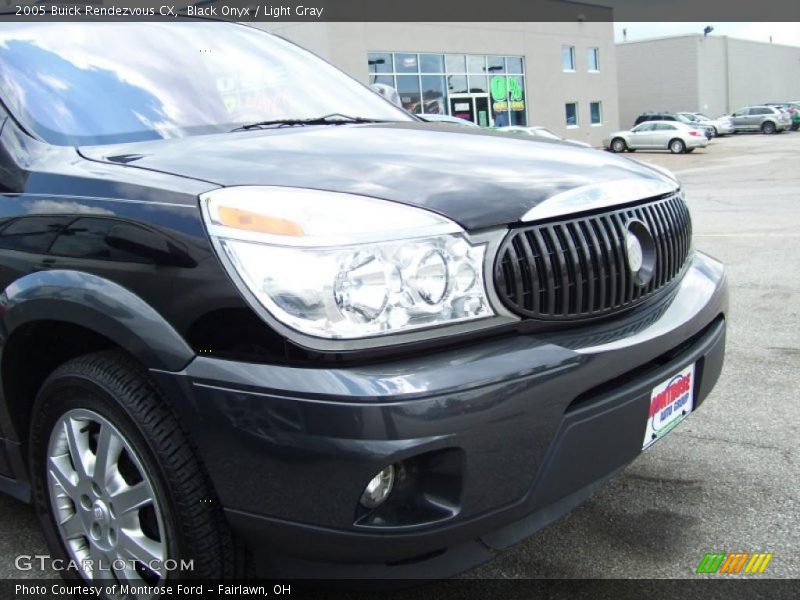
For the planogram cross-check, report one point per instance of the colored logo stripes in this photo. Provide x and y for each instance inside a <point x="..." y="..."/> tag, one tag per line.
<point x="735" y="562"/>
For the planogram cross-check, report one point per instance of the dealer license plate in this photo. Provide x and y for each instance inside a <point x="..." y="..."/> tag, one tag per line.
<point x="670" y="402"/>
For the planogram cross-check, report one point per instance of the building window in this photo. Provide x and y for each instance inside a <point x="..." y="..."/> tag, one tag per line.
<point x="492" y="87"/>
<point x="568" y="58"/>
<point x="596" y="112"/>
<point x="572" y="114"/>
<point x="593" y="59"/>
<point x="380" y="62"/>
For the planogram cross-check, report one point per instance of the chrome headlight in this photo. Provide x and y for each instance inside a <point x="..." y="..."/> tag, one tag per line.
<point x="342" y="266"/>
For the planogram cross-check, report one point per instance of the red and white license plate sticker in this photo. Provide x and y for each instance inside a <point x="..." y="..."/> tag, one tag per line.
<point x="670" y="402"/>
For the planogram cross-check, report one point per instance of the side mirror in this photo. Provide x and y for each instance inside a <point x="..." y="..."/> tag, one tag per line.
<point x="148" y="244"/>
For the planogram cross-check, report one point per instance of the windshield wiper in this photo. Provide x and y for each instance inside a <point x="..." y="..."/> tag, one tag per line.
<point x="331" y="119"/>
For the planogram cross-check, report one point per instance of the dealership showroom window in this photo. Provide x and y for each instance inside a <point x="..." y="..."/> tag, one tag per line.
<point x="489" y="90"/>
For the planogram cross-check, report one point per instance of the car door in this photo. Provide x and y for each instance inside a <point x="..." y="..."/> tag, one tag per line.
<point x="641" y="136"/>
<point x="664" y="132"/>
<point x="756" y="118"/>
<point x="739" y="118"/>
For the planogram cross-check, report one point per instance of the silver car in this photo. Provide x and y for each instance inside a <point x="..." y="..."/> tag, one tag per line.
<point x="765" y="119"/>
<point x="657" y="135"/>
<point x="436" y="118"/>
<point x="722" y="125"/>
<point x="542" y="133"/>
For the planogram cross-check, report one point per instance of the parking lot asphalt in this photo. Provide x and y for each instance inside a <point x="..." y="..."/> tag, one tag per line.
<point x="727" y="479"/>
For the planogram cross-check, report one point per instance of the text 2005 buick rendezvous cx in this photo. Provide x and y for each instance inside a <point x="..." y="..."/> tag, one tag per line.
<point x="248" y="303"/>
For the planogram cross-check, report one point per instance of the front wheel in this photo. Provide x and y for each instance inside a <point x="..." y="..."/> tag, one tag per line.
<point x="677" y="146"/>
<point x="116" y="483"/>
<point x="618" y="145"/>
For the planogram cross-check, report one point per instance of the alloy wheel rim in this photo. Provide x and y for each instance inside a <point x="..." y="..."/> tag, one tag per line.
<point x="676" y="146"/>
<point x="103" y="502"/>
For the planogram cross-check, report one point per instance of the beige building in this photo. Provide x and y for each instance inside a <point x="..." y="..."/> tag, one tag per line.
<point x="714" y="75"/>
<point x="559" y="75"/>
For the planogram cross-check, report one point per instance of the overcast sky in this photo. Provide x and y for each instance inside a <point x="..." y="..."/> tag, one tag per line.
<point x="782" y="33"/>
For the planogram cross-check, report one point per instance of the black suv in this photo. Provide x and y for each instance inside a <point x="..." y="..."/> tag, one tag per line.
<point x="708" y="130"/>
<point x="254" y="314"/>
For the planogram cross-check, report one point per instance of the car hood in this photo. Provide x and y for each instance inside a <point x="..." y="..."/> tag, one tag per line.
<point x="478" y="178"/>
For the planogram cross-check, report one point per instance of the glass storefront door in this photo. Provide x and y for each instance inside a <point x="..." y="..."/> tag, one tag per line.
<point x="471" y="107"/>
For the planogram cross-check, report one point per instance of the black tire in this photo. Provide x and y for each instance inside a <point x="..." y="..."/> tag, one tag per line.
<point x="112" y="385"/>
<point x="716" y="133"/>
<point x="768" y="128"/>
<point x="690" y="150"/>
<point x="618" y="145"/>
<point x="677" y="146"/>
<point x="631" y="149"/>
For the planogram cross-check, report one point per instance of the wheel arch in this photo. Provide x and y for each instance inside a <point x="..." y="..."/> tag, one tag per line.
<point x="677" y="139"/>
<point x="621" y="139"/>
<point x="49" y="317"/>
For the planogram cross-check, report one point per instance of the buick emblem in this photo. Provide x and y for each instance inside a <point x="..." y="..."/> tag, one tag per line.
<point x="640" y="251"/>
<point x="633" y="248"/>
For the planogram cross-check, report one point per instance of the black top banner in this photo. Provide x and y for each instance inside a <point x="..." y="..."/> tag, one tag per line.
<point x="406" y="10"/>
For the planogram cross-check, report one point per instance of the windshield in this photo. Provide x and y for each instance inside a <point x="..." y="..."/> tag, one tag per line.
<point x="684" y="119"/>
<point x="692" y="118"/>
<point x="81" y="83"/>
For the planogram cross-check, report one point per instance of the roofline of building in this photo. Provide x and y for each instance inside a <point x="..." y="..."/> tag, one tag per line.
<point x="662" y="38"/>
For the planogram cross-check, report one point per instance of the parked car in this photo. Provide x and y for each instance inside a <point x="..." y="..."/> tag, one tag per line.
<point x="793" y="108"/>
<point x="541" y="133"/>
<point x="434" y="118"/>
<point x="708" y="130"/>
<point x="721" y="126"/>
<point x="388" y="92"/>
<point x="251" y="308"/>
<point x="765" y="119"/>
<point x="794" y="111"/>
<point x="674" y="136"/>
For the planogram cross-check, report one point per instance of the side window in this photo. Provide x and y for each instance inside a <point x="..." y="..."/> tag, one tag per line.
<point x="87" y="238"/>
<point x="669" y="118"/>
<point x="644" y="127"/>
<point x="759" y="111"/>
<point x="568" y="58"/>
<point x="32" y="234"/>
<point x="664" y="127"/>
<point x="593" y="59"/>
<point x="571" y="113"/>
<point x="740" y="113"/>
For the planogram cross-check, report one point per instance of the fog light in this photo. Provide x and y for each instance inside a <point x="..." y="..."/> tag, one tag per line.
<point x="378" y="489"/>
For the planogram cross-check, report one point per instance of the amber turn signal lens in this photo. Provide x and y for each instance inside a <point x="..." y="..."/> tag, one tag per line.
<point x="251" y="221"/>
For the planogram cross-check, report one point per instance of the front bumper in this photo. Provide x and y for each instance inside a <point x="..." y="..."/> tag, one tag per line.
<point x="505" y="436"/>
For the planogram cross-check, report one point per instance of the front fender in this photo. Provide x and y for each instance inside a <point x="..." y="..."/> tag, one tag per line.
<point x="99" y="305"/>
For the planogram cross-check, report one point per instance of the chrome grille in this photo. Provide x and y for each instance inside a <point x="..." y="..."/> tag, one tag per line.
<point x="578" y="267"/>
